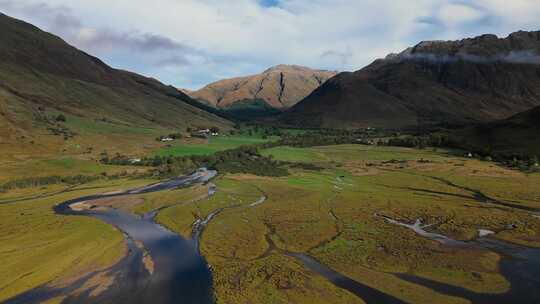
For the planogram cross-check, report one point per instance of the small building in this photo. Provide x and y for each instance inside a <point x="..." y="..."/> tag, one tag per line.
<point x="167" y="139"/>
<point x="215" y="134"/>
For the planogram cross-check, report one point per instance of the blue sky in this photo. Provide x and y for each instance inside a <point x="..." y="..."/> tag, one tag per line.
<point x="269" y="3"/>
<point x="189" y="43"/>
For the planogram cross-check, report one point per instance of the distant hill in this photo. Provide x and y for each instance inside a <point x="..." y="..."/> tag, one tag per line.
<point x="279" y="87"/>
<point x="519" y="134"/>
<point x="41" y="76"/>
<point x="473" y="80"/>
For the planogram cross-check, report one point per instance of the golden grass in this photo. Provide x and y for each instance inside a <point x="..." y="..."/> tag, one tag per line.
<point x="327" y="214"/>
<point x="330" y="216"/>
<point x="39" y="247"/>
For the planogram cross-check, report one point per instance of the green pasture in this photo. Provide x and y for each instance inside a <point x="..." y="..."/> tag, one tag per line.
<point x="213" y="144"/>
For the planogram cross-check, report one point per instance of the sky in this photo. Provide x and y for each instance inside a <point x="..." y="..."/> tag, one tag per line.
<point x="190" y="43"/>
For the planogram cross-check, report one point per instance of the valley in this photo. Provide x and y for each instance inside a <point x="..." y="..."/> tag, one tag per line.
<point x="414" y="179"/>
<point x="266" y="249"/>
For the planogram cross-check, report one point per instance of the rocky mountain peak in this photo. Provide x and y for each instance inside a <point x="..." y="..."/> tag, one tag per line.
<point x="280" y="87"/>
<point x="477" y="79"/>
<point x="487" y="45"/>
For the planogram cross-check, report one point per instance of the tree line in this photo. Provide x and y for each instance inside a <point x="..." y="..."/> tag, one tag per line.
<point x="47" y="180"/>
<point x="244" y="159"/>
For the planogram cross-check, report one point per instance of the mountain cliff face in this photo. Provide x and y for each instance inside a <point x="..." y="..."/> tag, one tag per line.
<point x="280" y="87"/>
<point x="436" y="82"/>
<point x="41" y="75"/>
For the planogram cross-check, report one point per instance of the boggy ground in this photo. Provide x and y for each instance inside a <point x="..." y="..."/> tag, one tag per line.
<point x="334" y="215"/>
<point x="38" y="247"/>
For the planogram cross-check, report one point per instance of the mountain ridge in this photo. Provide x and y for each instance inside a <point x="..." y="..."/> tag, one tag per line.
<point x="432" y="83"/>
<point x="280" y="86"/>
<point x="41" y="76"/>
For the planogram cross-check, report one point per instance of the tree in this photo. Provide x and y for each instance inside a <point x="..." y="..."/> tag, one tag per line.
<point x="157" y="161"/>
<point x="533" y="161"/>
<point x="104" y="157"/>
<point x="61" y="118"/>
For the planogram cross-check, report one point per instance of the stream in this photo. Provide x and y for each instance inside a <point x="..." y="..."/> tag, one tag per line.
<point x="520" y="266"/>
<point x="176" y="273"/>
<point x="161" y="267"/>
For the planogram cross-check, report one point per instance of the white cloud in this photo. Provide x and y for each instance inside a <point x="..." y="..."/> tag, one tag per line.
<point x="192" y="42"/>
<point x="513" y="14"/>
<point x="456" y="14"/>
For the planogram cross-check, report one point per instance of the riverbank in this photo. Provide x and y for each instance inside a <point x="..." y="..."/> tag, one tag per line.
<point x="151" y="271"/>
<point x="312" y="237"/>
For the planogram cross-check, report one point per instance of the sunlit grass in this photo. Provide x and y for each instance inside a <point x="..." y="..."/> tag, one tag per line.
<point x="213" y="144"/>
<point x="38" y="246"/>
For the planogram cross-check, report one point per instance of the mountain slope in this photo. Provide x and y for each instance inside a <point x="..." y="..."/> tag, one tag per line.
<point x="280" y="87"/>
<point x="437" y="82"/>
<point x="519" y="134"/>
<point x="42" y="76"/>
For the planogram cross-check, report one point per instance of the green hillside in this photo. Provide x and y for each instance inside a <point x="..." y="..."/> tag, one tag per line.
<point x="41" y="77"/>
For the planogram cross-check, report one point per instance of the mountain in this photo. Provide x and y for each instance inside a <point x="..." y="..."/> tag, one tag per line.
<point x="41" y="77"/>
<point x="480" y="79"/>
<point x="518" y="134"/>
<point x="279" y="87"/>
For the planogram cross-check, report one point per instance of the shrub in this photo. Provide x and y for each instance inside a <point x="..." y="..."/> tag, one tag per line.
<point x="60" y="118"/>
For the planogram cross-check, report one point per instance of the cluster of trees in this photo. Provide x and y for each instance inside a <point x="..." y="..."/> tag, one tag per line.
<point x="244" y="159"/>
<point x="68" y="180"/>
<point x="518" y="161"/>
<point x="60" y="118"/>
<point x="117" y="159"/>
<point x="317" y="138"/>
<point x="269" y="132"/>
<point x="47" y="180"/>
<point x="57" y="126"/>
<point x="420" y="142"/>
<point x="524" y="163"/>
<point x="252" y="130"/>
<point x="63" y="131"/>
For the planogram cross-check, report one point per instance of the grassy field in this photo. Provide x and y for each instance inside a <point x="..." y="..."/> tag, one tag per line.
<point x="210" y="146"/>
<point x="235" y="247"/>
<point x="350" y="153"/>
<point x="38" y="247"/>
<point x="231" y="193"/>
<point x="331" y="214"/>
<point x="64" y="166"/>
